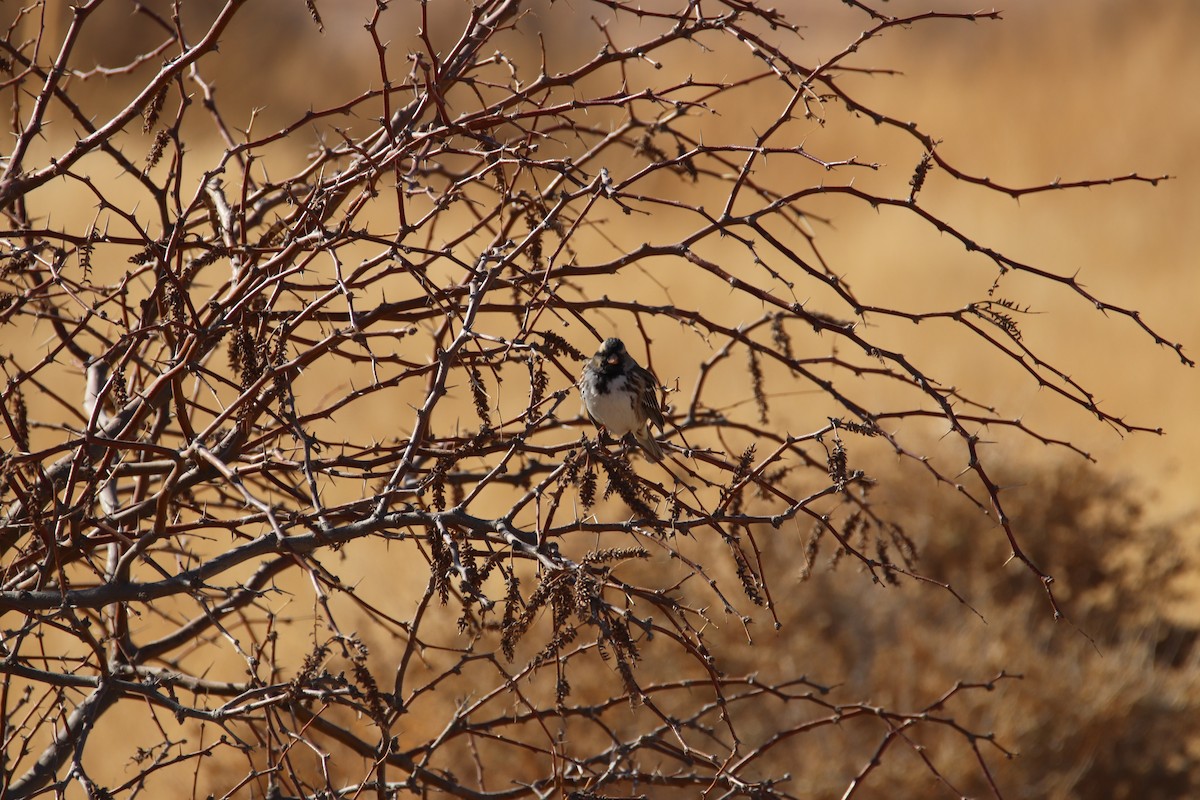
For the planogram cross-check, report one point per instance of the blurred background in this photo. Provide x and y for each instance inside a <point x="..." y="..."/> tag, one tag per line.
<point x="1070" y="90"/>
<point x="1065" y="91"/>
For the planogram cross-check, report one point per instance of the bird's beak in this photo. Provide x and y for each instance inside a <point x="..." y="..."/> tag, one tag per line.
<point x="612" y="360"/>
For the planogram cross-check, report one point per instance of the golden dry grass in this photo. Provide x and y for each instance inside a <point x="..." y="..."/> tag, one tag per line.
<point x="1067" y="90"/>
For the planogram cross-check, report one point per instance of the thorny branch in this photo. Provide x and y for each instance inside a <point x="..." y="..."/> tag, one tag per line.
<point x="181" y="469"/>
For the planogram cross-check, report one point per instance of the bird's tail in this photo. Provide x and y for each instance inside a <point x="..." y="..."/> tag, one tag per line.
<point x="647" y="442"/>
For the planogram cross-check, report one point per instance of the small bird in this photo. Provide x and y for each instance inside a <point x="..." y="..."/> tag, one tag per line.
<point x="621" y="396"/>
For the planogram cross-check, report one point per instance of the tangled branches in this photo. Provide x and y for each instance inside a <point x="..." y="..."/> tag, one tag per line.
<point x="256" y="370"/>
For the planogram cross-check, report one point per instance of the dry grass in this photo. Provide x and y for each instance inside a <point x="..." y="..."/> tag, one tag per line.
<point x="1106" y="705"/>
<point x="1062" y="92"/>
<point x="1100" y="704"/>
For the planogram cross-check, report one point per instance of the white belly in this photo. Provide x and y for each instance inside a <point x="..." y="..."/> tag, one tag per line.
<point x="613" y="410"/>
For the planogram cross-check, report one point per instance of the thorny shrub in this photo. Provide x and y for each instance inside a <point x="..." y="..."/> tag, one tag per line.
<point x="298" y="501"/>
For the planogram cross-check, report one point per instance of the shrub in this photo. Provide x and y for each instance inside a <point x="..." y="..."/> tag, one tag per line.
<point x="298" y="501"/>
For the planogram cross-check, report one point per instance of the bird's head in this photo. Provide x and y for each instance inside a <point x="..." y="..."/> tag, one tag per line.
<point x="612" y="352"/>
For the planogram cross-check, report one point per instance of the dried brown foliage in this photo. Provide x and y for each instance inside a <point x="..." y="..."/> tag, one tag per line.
<point x="295" y="497"/>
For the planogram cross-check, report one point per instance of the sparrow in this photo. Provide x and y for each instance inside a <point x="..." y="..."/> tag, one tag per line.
<point x="620" y="396"/>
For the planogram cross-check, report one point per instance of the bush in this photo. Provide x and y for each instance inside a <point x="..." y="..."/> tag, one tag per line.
<point x="298" y="501"/>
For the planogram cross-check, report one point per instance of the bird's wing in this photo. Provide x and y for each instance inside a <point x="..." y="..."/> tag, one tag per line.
<point x="651" y="404"/>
